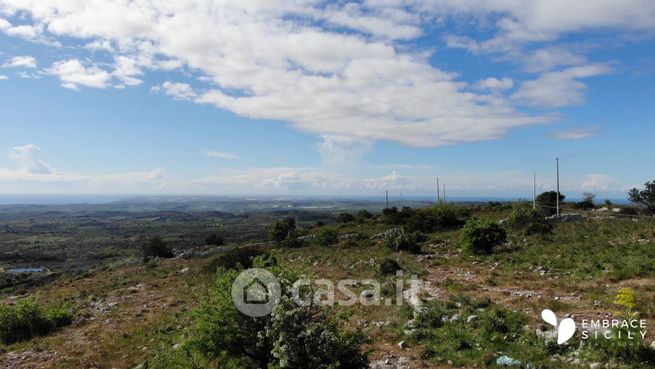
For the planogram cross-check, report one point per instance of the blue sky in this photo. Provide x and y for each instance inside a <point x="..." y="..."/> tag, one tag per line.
<point x="313" y="97"/>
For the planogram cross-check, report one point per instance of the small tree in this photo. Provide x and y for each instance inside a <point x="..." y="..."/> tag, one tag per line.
<point x="157" y="247"/>
<point x="345" y="218"/>
<point x="529" y="221"/>
<point x="645" y="197"/>
<point x="215" y="239"/>
<point x="482" y="236"/>
<point x="327" y="236"/>
<point x="389" y="266"/>
<point x="282" y="229"/>
<point x="547" y="202"/>
<point x="364" y="214"/>
<point x="587" y="202"/>
<point x="405" y="241"/>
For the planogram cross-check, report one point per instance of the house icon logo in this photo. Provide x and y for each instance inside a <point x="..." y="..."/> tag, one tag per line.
<point x="256" y="292"/>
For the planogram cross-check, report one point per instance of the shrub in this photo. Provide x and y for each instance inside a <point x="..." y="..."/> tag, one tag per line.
<point x="645" y="197"/>
<point x="421" y="221"/>
<point x="364" y="214"/>
<point x="391" y="215"/>
<point x="482" y="236"/>
<point x="628" y="210"/>
<point x="282" y="229"/>
<point x="309" y="337"/>
<point x="627" y="299"/>
<point x="293" y="336"/>
<point x="27" y="319"/>
<point x="529" y="221"/>
<point x="345" y="218"/>
<point x="547" y="202"/>
<point x="215" y="239"/>
<point x="241" y="257"/>
<point x="438" y="218"/>
<point x="327" y="236"/>
<point x="157" y="247"/>
<point x="389" y="267"/>
<point x="285" y="233"/>
<point x="448" y="216"/>
<point x="587" y="202"/>
<point x="405" y="241"/>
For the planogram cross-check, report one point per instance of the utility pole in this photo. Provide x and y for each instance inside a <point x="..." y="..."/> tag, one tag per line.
<point x="386" y="197"/>
<point x="438" y="195"/>
<point x="557" y="197"/>
<point x="534" y="191"/>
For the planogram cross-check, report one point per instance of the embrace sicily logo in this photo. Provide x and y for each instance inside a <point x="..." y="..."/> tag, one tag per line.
<point x="565" y="329"/>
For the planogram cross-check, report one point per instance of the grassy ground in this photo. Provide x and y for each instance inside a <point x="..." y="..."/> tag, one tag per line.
<point x="130" y="315"/>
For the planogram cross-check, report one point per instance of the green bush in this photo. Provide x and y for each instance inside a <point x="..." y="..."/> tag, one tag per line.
<point x="215" y="239"/>
<point x="157" y="247"/>
<point x="364" y="214"/>
<point x="292" y="337"/>
<point x="309" y="337"/>
<point x="587" y="202"/>
<point x="547" y="202"/>
<point x="402" y="240"/>
<point x="529" y="221"/>
<point x="27" y="319"/>
<point x="482" y="236"/>
<point x="285" y="233"/>
<point x="389" y="267"/>
<point x="449" y="216"/>
<point x="345" y="218"/>
<point x="327" y="236"/>
<point x="241" y="257"/>
<point x="282" y="230"/>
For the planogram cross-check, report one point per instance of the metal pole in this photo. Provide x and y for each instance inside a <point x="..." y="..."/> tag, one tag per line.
<point x="444" y="193"/>
<point x="534" y="191"/>
<point x="438" y="195"/>
<point x="557" y="197"/>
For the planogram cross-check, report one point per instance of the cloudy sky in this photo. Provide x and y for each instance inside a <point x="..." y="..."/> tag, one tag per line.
<point x="319" y="97"/>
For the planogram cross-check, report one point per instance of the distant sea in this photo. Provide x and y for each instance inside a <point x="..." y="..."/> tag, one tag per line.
<point x="58" y="199"/>
<point x="41" y="199"/>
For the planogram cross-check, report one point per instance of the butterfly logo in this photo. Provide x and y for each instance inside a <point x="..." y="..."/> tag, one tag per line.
<point x="566" y="327"/>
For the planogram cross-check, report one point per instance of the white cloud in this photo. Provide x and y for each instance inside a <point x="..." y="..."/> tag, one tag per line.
<point x="576" y="134"/>
<point x="32" y="175"/>
<point x="220" y="154"/>
<point x="545" y="20"/>
<point x="340" y="151"/>
<point x="598" y="182"/>
<point x="3" y="77"/>
<point x="559" y="88"/>
<point x="73" y="74"/>
<point x="31" y="32"/>
<point x="551" y="57"/>
<point x="388" y="22"/>
<point x="178" y="91"/>
<point x="27" y="158"/>
<point x="272" y="60"/>
<point x="337" y="70"/>
<point x="492" y="83"/>
<point x="100" y="45"/>
<point x="20" y="62"/>
<point x="126" y="70"/>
